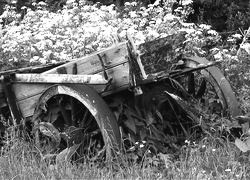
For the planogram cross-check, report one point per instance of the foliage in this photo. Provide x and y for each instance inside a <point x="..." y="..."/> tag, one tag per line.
<point x="226" y="15"/>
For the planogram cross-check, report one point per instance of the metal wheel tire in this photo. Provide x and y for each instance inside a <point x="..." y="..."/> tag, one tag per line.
<point x="82" y="110"/>
<point x="216" y="79"/>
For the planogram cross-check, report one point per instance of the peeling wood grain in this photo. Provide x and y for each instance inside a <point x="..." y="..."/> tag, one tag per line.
<point x="59" y="78"/>
<point x="91" y="64"/>
<point x="160" y="55"/>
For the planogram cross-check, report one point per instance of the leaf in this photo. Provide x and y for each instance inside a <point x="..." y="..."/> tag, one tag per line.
<point x="142" y="134"/>
<point x="67" y="153"/>
<point x="155" y="131"/>
<point x="130" y="124"/>
<point x="243" y="146"/>
<point x="135" y="113"/>
<point x="54" y="113"/>
<point x="159" y="115"/>
<point x="49" y="130"/>
<point x="149" y="117"/>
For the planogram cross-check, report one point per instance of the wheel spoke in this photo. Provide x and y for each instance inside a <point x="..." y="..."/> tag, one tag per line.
<point x="73" y="110"/>
<point x="85" y="118"/>
<point x="191" y="84"/>
<point x="201" y="90"/>
<point x="63" y="111"/>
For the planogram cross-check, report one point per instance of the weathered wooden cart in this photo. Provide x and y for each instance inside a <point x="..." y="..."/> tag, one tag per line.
<point x="74" y="96"/>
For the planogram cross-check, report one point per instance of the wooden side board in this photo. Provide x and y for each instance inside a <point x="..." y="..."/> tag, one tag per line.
<point x="113" y="59"/>
<point x="91" y="64"/>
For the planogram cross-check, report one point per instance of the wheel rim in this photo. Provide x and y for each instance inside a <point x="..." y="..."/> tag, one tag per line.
<point x="81" y="117"/>
<point x="210" y="88"/>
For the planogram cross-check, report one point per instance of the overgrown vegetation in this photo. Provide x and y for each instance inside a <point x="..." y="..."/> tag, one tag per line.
<point x="81" y="28"/>
<point x="211" y="158"/>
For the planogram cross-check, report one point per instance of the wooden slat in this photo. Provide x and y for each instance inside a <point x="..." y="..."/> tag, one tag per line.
<point x="24" y="91"/>
<point x="27" y="106"/>
<point x="33" y="69"/>
<point x="91" y="64"/>
<point x="59" y="78"/>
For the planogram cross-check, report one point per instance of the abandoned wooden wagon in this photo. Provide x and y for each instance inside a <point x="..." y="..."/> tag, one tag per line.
<point x="96" y="102"/>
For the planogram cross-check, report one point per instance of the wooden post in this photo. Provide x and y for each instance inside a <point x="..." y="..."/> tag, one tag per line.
<point x="11" y="99"/>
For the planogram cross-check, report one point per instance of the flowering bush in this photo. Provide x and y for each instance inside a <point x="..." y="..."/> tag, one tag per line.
<point x="79" y="29"/>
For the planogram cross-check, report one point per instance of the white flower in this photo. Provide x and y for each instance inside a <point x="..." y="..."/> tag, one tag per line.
<point x="141" y="145"/>
<point x="169" y="17"/>
<point x="187" y="2"/>
<point x="127" y="3"/>
<point x="133" y="14"/>
<point x="246" y="47"/>
<point x="218" y="56"/>
<point x="36" y="58"/>
<point x="133" y="3"/>
<point x="189" y="31"/>
<point x="212" y="32"/>
<point x="228" y="170"/>
<point x="157" y="2"/>
<point x="42" y="3"/>
<point x="205" y="26"/>
<point x="237" y="36"/>
<point x="230" y="40"/>
<point x="132" y="148"/>
<point x="70" y="1"/>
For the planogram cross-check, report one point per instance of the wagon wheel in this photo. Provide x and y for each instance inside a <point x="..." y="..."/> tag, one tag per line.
<point x="78" y="119"/>
<point x="209" y="88"/>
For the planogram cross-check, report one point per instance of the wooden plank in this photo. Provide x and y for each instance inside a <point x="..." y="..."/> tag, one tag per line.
<point x="91" y="64"/>
<point x="33" y="69"/>
<point x="27" y="106"/>
<point x="24" y="91"/>
<point x="59" y="78"/>
<point x="12" y="101"/>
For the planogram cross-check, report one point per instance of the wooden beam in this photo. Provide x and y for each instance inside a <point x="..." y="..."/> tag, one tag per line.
<point x="59" y="78"/>
<point x="34" y="69"/>
<point x="11" y="99"/>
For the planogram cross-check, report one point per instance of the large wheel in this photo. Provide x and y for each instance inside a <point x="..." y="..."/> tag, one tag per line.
<point x="81" y="118"/>
<point x="209" y="87"/>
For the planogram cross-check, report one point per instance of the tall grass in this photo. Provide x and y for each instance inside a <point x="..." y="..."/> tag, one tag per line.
<point x="211" y="158"/>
